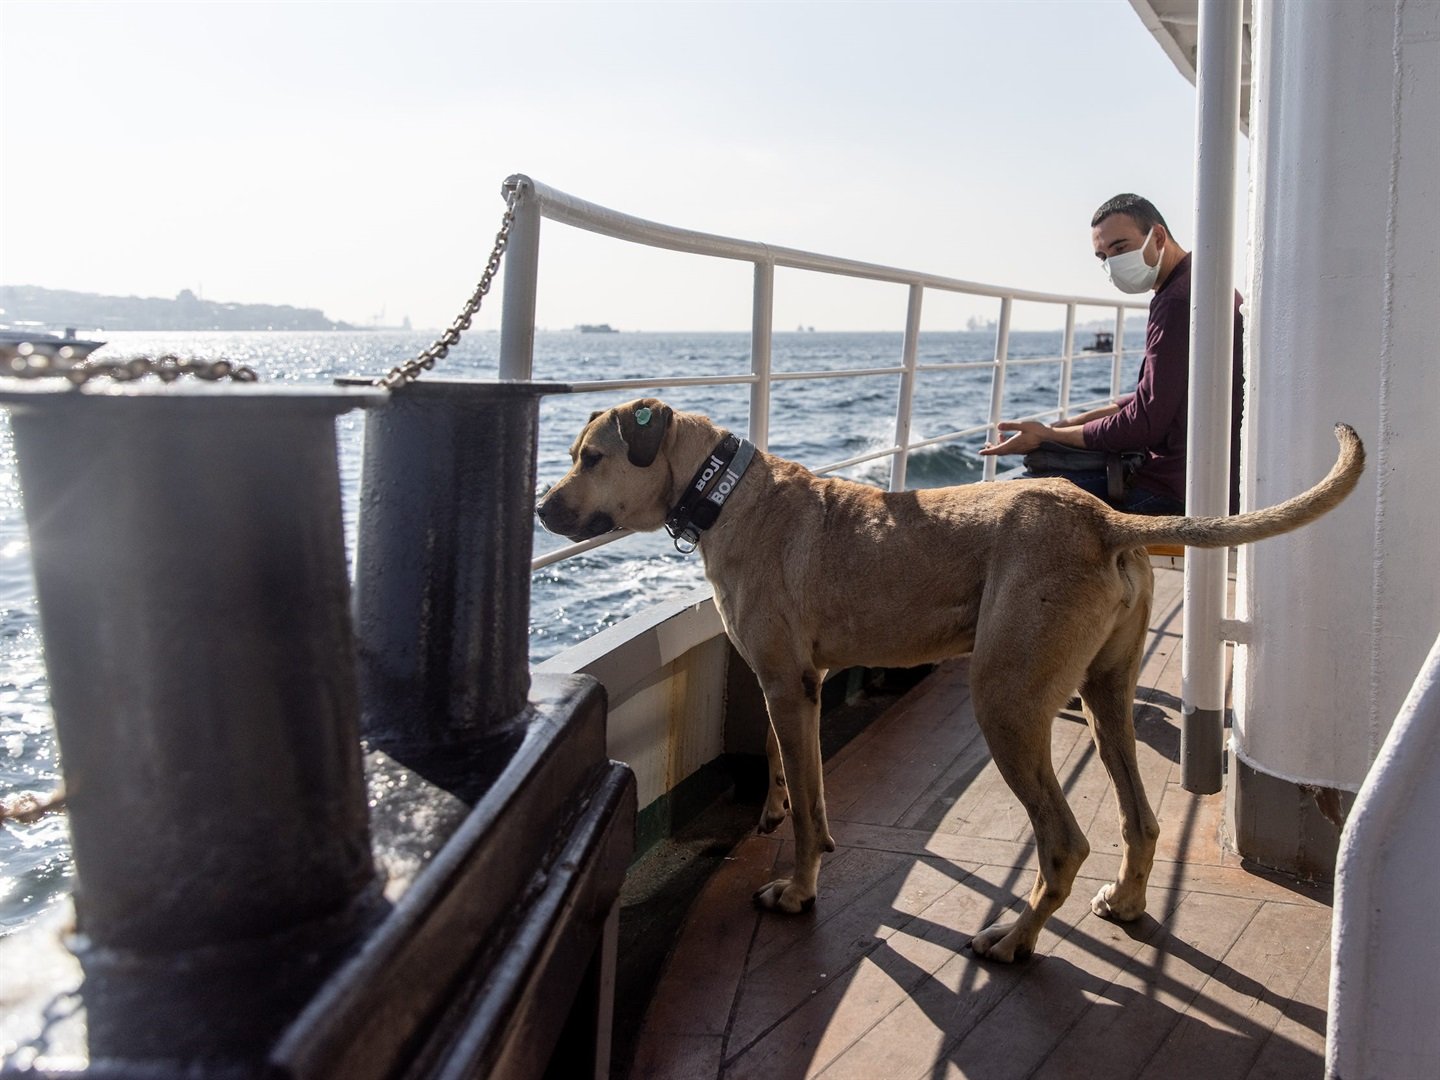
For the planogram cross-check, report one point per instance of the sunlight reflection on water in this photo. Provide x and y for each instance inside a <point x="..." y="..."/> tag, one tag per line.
<point x="812" y="422"/>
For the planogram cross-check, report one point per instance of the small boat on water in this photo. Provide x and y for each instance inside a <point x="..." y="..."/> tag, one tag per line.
<point x="1104" y="342"/>
<point x="35" y="342"/>
<point x="596" y="328"/>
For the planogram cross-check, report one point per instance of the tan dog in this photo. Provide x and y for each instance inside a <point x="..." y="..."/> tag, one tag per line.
<point x="1047" y="586"/>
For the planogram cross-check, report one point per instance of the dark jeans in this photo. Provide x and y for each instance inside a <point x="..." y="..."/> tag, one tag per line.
<point x="1136" y="500"/>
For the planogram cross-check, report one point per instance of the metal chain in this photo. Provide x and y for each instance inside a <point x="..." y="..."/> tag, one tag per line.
<point x="412" y="369"/>
<point x="167" y="368"/>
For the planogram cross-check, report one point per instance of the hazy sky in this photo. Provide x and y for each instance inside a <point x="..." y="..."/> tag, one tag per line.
<point x="349" y="156"/>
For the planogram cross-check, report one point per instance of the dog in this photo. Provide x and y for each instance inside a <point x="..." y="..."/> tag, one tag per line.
<point x="1045" y="585"/>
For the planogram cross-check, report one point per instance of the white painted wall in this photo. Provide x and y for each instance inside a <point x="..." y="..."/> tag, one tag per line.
<point x="1343" y="324"/>
<point x="664" y="673"/>
<point x="1385" y="968"/>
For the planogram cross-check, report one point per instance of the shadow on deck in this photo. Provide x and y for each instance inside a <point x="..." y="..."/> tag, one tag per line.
<point x="1225" y="976"/>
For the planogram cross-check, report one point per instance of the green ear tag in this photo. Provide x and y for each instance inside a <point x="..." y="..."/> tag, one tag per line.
<point x="642" y="416"/>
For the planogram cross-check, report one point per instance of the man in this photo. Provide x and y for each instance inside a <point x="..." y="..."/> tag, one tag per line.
<point x="1140" y="254"/>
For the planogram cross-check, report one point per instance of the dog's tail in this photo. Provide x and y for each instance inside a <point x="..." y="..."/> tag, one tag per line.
<point x="1131" y="530"/>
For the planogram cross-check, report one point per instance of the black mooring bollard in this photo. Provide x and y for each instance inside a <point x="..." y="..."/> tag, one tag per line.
<point x="190" y="570"/>
<point x="442" y="571"/>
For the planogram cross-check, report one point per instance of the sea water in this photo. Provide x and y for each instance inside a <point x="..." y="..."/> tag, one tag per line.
<point x="813" y="422"/>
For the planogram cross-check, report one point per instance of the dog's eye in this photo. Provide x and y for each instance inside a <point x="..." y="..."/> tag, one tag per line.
<point x="590" y="458"/>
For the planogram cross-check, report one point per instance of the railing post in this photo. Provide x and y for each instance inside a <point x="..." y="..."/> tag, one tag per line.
<point x="522" y="275"/>
<point x="905" y="402"/>
<point x="762" y="319"/>
<point x="1118" y="354"/>
<point x="997" y="381"/>
<point x="1067" y="361"/>
<point x="1212" y="322"/>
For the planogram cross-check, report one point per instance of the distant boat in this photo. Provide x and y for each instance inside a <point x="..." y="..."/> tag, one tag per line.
<point x="27" y="342"/>
<point x="1104" y="342"/>
<point x="596" y="328"/>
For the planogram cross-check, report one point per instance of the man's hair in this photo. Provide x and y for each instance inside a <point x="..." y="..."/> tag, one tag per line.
<point x="1139" y="210"/>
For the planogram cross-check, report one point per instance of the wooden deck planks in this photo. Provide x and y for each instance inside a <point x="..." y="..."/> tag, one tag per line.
<point x="1136" y="1012"/>
<point x="690" y="1013"/>
<point x="1223" y="1029"/>
<point x="902" y="753"/>
<point x="840" y="1004"/>
<point x="1225" y="976"/>
<point x="1054" y="991"/>
<point x="1296" y="1048"/>
<point x="912" y="968"/>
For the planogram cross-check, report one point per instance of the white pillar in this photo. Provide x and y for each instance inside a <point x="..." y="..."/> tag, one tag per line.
<point x="1345" y="274"/>
<point x="1212" y="351"/>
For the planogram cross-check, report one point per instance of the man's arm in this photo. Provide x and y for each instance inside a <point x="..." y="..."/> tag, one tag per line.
<point x="1096" y="414"/>
<point x="1157" y="406"/>
<point x="1031" y="433"/>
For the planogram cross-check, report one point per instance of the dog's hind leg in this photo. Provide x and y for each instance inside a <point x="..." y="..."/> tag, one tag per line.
<point x="1108" y="692"/>
<point x="777" y="796"/>
<point x="1015" y="719"/>
<point x="1061" y="848"/>
<point x="794" y="704"/>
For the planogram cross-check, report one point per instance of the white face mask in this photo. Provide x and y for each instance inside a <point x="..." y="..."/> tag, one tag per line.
<point x="1130" y="273"/>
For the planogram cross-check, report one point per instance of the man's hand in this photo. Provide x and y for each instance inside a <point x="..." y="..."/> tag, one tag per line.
<point x="1028" y="435"/>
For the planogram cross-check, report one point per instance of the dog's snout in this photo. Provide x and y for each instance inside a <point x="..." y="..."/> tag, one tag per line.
<point x="556" y="516"/>
<point x="559" y="517"/>
<point x="551" y="513"/>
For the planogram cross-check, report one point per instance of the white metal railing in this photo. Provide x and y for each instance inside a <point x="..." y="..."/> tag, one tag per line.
<point x="535" y="201"/>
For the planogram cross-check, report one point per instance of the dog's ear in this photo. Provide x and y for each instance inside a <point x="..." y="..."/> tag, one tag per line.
<point x="643" y="426"/>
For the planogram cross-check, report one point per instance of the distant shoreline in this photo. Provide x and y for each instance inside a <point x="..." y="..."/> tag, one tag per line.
<point x="27" y="305"/>
<point x="95" y="313"/>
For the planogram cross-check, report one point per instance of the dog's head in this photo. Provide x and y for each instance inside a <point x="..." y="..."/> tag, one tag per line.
<point x="618" y="479"/>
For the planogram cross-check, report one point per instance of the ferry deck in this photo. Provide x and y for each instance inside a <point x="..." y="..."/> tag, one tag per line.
<point x="492" y="949"/>
<point x="1224" y="976"/>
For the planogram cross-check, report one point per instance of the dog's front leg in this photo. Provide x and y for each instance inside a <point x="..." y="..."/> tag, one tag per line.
<point x="794" y="705"/>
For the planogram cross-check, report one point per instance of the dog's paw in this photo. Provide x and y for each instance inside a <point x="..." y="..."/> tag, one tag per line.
<point x="1110" y="904"/>
<point x="827" y="843"/>
<point x="770" y="821"/>
<point x="784" y="895"/>
<point x="1002" y="942"/>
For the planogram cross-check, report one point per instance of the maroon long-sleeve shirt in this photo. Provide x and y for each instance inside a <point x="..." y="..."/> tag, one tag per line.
<point x="1154" y="417"/>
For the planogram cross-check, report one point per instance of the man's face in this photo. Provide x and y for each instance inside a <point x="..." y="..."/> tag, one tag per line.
<point x="1118" y="234"/>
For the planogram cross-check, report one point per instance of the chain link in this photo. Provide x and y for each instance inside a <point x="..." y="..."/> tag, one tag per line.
<point x="412" y="369"/>
<point x="166" y="368"/>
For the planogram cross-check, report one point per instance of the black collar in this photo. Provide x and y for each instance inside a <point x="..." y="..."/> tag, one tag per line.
<point x="704" y="498"/>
